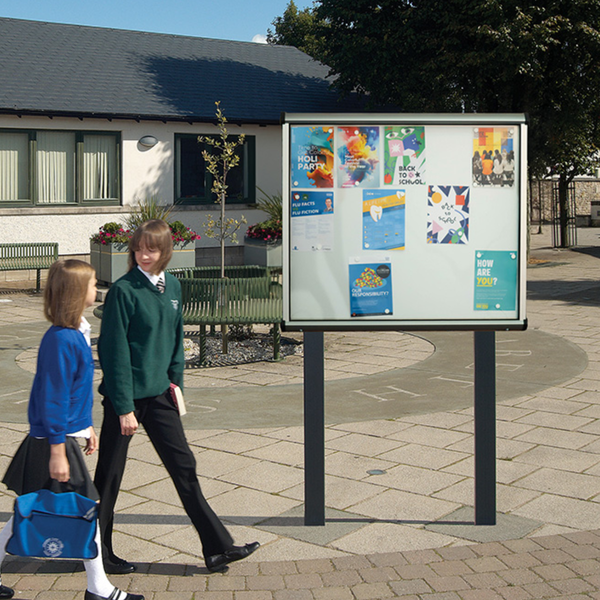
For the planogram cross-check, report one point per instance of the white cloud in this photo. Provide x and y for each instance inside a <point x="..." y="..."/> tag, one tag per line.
<point x="259" y="39"/>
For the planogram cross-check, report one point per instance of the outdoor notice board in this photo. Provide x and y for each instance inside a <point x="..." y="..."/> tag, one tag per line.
<point x="404" y="221"/>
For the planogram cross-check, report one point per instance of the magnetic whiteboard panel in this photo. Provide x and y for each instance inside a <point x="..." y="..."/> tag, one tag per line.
<point x="366" y="246"/>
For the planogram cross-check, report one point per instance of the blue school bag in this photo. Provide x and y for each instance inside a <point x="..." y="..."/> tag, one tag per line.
<point x="49" y="525"/>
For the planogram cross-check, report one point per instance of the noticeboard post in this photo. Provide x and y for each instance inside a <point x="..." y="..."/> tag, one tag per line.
<point x="407" y="222"/>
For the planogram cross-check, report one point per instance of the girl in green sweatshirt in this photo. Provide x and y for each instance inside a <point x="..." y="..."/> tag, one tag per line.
<point x="141" y="354"/>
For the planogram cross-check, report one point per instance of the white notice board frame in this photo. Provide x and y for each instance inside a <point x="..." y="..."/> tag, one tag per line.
<point x="460" y="237"/>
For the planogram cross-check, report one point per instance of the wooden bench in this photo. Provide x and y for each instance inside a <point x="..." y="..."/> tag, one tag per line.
<point x="36" y="255"/>
<point x="241" y="301"/>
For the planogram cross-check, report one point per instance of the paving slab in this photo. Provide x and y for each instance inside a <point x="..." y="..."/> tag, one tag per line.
<point x="399" y="464"/>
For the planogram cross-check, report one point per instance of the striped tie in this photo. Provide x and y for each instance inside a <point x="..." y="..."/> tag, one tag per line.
<point x="160" y="284"/>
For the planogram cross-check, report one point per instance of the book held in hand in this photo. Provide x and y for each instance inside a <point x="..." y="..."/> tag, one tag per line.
<point x="178" y="401"/>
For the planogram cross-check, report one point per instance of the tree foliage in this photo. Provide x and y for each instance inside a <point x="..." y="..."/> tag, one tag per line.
<point x="540" y="57"/>
<point x="298" y="28"/>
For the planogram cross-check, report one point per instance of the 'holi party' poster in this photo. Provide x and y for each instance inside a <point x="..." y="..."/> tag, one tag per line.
<point x="358" y="157"/>
<point x="404" y="156"/>
<point x="370" y="289"/>
<point x="447" y="214"/>
<point x="384" y="219"/>
<point x="312" y="157"/>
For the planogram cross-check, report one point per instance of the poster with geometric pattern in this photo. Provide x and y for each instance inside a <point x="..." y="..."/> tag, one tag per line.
<point x="447" y="214"/>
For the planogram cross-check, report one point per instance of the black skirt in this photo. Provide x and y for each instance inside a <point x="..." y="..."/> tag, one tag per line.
<point x="29" y="470"/>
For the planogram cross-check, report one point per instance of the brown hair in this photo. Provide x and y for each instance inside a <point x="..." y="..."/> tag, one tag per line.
<point x="66" y="291"/>
<point x="154" y="235"/>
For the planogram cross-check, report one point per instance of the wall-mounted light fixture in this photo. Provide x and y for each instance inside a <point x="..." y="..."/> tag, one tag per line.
<point x="148" y="141"/>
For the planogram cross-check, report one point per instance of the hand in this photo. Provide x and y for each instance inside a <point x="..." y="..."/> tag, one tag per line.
<point x="59" y="465"/>
<point x="129" y="424"/>
<point x="91" y="444"/>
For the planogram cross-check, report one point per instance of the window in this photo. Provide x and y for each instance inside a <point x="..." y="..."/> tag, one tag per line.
<point x="193" y="182"/>
<point x="58" y="167"/>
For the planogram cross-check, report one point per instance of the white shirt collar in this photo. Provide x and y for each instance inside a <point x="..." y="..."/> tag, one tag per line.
<point x="153" y="278"/>
<point x="86" y="329"/>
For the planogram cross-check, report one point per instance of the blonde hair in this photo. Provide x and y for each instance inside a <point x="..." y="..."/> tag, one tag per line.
<point x="66" y="291"/>
<point x="154" y="235"/>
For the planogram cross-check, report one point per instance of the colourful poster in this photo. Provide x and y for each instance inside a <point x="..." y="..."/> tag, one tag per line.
<point x="312" y="157"/>
<point x="447" y="214"/>
<point x="358" y="157"/>
<point x="370" y="289"/>
<point x="404" y="156"/>
<point x="384" y="219"/>
<point x="312" y="221"/>
<point x="496" y="275"/>
<point x="493" y="156"/>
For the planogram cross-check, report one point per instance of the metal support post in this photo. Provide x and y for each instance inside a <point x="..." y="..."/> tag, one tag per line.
<point x="485" y="427"/>
<point x="314" y="428"/>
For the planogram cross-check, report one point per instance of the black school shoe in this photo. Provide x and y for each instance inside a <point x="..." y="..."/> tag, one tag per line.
<point x="116" y="593"/>
<point x="118" y="566"/>
<point x="6" y="592"/>
<point x="217" y="563"/>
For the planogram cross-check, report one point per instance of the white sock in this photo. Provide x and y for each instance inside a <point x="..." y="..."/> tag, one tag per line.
<point x="4" y="537"/>
<point x="97" y="581"/>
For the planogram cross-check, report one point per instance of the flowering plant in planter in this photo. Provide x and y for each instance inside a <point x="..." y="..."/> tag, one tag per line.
<point x="112" y="233"/>
<point x="268" y="231"/>
<point x="181" y="233"/>
<point x="115" y="233"/>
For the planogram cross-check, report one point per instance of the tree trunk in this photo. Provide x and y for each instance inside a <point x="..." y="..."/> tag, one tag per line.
<point x="224" y="328"/>
<point x="563" y="209"/>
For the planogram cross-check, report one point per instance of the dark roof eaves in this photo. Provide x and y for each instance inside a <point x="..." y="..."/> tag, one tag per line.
<point x="134" y="117"/>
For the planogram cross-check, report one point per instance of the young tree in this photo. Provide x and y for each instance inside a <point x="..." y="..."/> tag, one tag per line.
<point x="219" y="162"/>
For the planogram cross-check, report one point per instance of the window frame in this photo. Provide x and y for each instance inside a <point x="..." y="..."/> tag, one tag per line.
<point x="78" y="199"/>
<point x="208" y="199"/>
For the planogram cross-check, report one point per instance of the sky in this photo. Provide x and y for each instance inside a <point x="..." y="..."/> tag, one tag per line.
<point x="240" y="20"/>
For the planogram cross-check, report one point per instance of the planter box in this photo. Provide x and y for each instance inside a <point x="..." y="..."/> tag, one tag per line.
<point x="110" y="261"/>
<point x="259" y="252"/>
<point x="184" y="255"/>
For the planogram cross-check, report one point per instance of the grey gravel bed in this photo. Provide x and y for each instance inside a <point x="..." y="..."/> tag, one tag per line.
<point x="254" y="348"/>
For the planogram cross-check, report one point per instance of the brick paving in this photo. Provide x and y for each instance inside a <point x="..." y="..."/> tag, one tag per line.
<point x="379" y="540"/>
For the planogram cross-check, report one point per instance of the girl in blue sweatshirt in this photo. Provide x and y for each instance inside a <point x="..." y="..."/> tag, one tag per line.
<point x="60" y="410"/>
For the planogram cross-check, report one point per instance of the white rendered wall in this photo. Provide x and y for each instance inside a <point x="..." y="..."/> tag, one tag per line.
<point x="146" y="173"/>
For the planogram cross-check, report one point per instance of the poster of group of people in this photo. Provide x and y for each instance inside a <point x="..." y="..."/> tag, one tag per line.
<point x="366" y="200"/>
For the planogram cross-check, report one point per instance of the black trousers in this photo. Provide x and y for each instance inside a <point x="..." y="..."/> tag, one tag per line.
<point x="163" y="425"/>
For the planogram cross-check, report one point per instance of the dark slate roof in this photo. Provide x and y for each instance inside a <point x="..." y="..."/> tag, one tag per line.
<point x="71" y="70"/>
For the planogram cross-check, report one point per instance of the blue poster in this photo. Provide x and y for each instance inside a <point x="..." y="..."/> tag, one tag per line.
<point x="496" y="275"/>
<point x="383" y="219"/>
<point x="311" y="203"/>
<point x="371" y="289"/>
<point x="312" y="221"/>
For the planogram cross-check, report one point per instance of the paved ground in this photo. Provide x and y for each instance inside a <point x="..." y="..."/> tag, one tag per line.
<point x="399" y="463"/>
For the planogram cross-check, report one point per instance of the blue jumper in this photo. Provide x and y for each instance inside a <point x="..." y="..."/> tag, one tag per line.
<point x="62" y="394"/>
